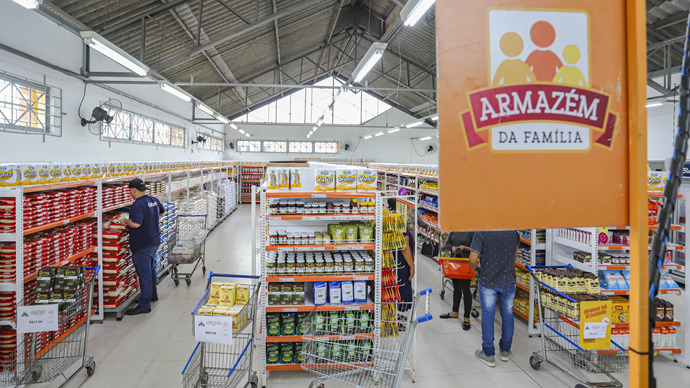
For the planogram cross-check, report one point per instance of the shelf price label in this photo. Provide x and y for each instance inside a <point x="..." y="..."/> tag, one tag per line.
<point x="214" y="329"/>
<point x="319" y="195"/>
<point x="355" y="278"/>
<point x="351" y="308"/>
<point x="285" y="249"/>
<point x="290" y="310"/>
<point x="287" y="280"/>
<point x="325" y="218"/>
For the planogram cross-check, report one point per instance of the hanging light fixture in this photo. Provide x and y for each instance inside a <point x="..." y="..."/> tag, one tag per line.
<point x="414" y="10"/>
<point x="372" y="56"/>
<point x="113" y="52"/>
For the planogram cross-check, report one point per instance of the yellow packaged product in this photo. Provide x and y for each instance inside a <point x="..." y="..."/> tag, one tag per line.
<point x="204" y="311"/>
<point x="242" y="296"/>
<point x="324" y="180"/>
<point x="345" y="179"/>
<point x="367" y="180"/>
<point x="9" y="175"/>
<point x="227" y="295"/>
<point x="66" y="172"/>
<point x="284" y="178"/>
<point x="214" y="293"/>
<point x="29" y="174"/>
<point x="220" y="311"/>
<point x="296" y="179"/>
<point x="55" y="172"/>
<point x="43" y="174"/>
<point x="86" y="171"/>
<point x="272" y="175"/>
<point x="76" y="172"/>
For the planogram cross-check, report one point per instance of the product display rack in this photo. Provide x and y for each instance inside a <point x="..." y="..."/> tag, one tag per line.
<point x="250" y="175"/>
<point x="270" y="222"/>
<point x="560" y="249"/>
<point x="534" y="245"/>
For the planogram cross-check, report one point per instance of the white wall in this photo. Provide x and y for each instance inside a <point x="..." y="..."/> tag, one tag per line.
<point x="395" y="148"/>
<point x="60" y="47"/>
<point x="660" y="131"/>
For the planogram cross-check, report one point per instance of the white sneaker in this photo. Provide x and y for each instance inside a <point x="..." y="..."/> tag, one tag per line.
<point x="504" y="356"/>
<point x="488" y="360"/>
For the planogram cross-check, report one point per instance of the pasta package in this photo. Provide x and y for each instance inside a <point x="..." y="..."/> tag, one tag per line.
<point x="214" y="292"/>
<point x="284" y="179"/>
<point x="242" y="296"/>
<point x="227" y="295"/>
<point x="367" y="180"/>
<point x="296" y="179"/>
<point x="9" y="175"/>
<point x="272" y="175"/>
<point x="324" y="180"/>
<point x="346" y="179"/>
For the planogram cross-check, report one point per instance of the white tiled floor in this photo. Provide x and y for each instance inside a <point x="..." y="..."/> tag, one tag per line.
<point x="151" y="350"/>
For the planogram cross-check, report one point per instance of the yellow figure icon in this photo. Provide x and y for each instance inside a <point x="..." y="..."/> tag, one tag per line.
<point x="512" y="71"/>
<point x="570" y="75"/>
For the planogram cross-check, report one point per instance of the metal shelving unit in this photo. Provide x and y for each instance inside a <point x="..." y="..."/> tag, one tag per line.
<point x="269" y="221"/>
<point x="535" y="246"/>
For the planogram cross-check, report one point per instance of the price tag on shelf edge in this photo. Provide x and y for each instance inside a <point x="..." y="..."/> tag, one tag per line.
<point x="351" y="308"/>
<point x="355" y="278"/>
<point x="214" y="329"/>
<point x="38" y="318"/>
<point x="319" y="195"/>
<point x="287" y="280"/>
<point x="290" y="310"/>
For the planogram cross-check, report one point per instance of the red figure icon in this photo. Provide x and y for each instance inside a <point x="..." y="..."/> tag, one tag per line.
<point x="544" y="63"/>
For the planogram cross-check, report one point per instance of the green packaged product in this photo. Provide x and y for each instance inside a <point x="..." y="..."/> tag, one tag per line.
<point x="366" y="234"/>
<point x="352" y="350"/>
<point x="272" y="353"/>
<point x="299" y="327"/>
<point x="286" y="292"/>
<point x="321" y="352"/>
<point x="287" y="353"/>
<point x="288" y="323"/>
<point x="350" y="321"/>
<point x="364" y="322"/>
<point x="351" y="233"/>
<point x="334" y="322"/>
<point x="298" y="297"/>
<point x="273" y="324"/>
<point x="338" y="235"/>
<point x="298" y="353"/>
<point x="319" y="323"/>
<point x="337" y="351"/>
<point x="273" y="294"/>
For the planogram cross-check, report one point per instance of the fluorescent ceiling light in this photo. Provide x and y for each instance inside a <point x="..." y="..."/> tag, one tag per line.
<point x="247" y="134"/>
<point x="372" y="56"/>
<point x="414" y="10"/>
<point x="367" y="137"/>
<point x="115" y="53"/>
<point x="379" y="133"/>
<point x="178" y="93"/>
<point x="233" y="126"/>
<point x="314" y="128"/>
<point x="415" y="124"/>
<point x="392" y="130"/>
<point x="319" y="121"/>
<point x="242" y="131"/>
<point x="434" y="118"/>
<point x="29" y="4"/>
<point x="425" y="138"/>
<point x="205" y="109"/>
<point x="654" y="103"/>
<point x="222" y="118"/>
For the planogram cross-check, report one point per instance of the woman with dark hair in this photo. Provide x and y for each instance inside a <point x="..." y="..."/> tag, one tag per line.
<point x="405" y="262"/>
<point x="459" y="244"/>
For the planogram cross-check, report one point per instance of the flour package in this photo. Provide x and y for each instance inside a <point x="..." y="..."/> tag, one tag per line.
<point x="324" y="180"/>
<point x="347" y="291"/>
<point x="345" y="179"/>
<point x="334" y="293"/>
<point x="320" y="293"/>
<point x="367" y="180"/>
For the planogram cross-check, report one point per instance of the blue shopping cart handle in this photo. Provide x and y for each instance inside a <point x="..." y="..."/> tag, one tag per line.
<point x="190" y="357"/>
<point x="424" y="292"/>
<point x="200" y="300"/>
<point x="424" y="318"/>
<point x="95" y="269"/>
<point x="530" y="267"/>
<point x="226" y="275"/>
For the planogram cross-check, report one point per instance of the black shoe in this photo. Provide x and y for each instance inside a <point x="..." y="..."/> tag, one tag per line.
<point x="465" y="325"/>
<point x="137" y="310"/>
<point x="446" y="316"/>
<point x="154" y="299"/>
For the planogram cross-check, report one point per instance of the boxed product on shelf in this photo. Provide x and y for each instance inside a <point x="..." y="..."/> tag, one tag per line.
<point x="324" y="180"/>
<point x="621" y="309"/>
<point x="345" y="179"/>
<point x="367" y="180"/>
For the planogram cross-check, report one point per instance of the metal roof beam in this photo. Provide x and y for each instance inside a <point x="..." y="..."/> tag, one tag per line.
<point x="658" y="87"/>
<point x="329" y="32"/>
<point x="224" y="4"/>
<point x="236" y="33"/>
<point x="136" y="19"/>
<point x="275" y="28"/>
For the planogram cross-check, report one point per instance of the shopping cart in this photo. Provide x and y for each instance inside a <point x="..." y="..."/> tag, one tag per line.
<point x="214" y="365"/>
<point x="359" y="350"/>
<point x="560" y="335"/>
<point x="190" y="247"/>
<point x="41" y="357"/>
<point x="457" y="268"/>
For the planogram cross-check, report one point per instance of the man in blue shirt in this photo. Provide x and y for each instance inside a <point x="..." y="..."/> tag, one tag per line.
<point x="496" y="282"/>
<point x="144" y="239"/>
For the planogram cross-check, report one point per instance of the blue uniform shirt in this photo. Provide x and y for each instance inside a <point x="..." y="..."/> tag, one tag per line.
<point x="497" y="250"/>
<point x="145" y="211"/>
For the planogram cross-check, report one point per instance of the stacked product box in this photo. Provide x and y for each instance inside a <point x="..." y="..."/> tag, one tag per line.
<point x="119" y="277"/>
<point x="115" y="194"/>
<point x="46" y="248"/>
<point x="211" y="199"/>
<point x="228" y="192"/>
<point x="168" y="227"/>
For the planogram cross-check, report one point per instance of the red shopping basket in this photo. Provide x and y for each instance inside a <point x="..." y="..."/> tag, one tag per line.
<point x="456" y="268"/>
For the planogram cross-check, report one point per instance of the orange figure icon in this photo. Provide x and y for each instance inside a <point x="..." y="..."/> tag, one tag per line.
<point x="570" y="75"/>
<point x="512" y="71"/>
<point x="544" y="63"/>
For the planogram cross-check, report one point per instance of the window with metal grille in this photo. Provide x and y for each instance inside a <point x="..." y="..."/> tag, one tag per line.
<point x="300" y="146"/>
<point x="162" y="134"/>
<point x="326" y="147"/>
<point x="135" y="128"/>
<point x="29" y="107"/>
<point x="249" y="146"/>
<point x="178" y="137"/>
<point x="275" y="146"/>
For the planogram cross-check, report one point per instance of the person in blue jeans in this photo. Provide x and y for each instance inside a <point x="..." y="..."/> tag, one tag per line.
<point x="496" y="278"/>
<point x="144" y="239"/>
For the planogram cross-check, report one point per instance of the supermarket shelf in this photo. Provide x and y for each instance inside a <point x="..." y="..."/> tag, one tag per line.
<point x="520" y="314"/>
<point x="115" y="207"/>
<point x="672" y="350"/>
<point x="626" y="325"/>
<point x="309" y="308"/>
<point x="428" y="192"/>
<point x="299" y="338"/>
<point x="651" y="227"/>
<point x="119" y="310"/>
<point x="346" y="194"/>
<point x="57" y="186"/>
<point x="573" y="244"/>
<point x="321" y="217"/>
<point x="406" y="203"/>
<point x="659" y="194"/>
<point x="521" y="266"/>
<point x="427" y="235"/>
<point x="61" y="263"/>
<point x="670" y="291"/>
<point x="317" y="278"/>
<point x="409" y="188"/>
<point x="433" y="224"/>
<point x="283" y="366"/>
<point x="306" y="248"/>
<point x="427" y="177"/>
<point x="521" y="286"/>
<point x="427" y="207"/>
<point x="8" y="237"/>
<point x="57" y="223"/>
<point x="581" y="266"/>
<point x="627" y="266"/>
<point x="618" y="247"/>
